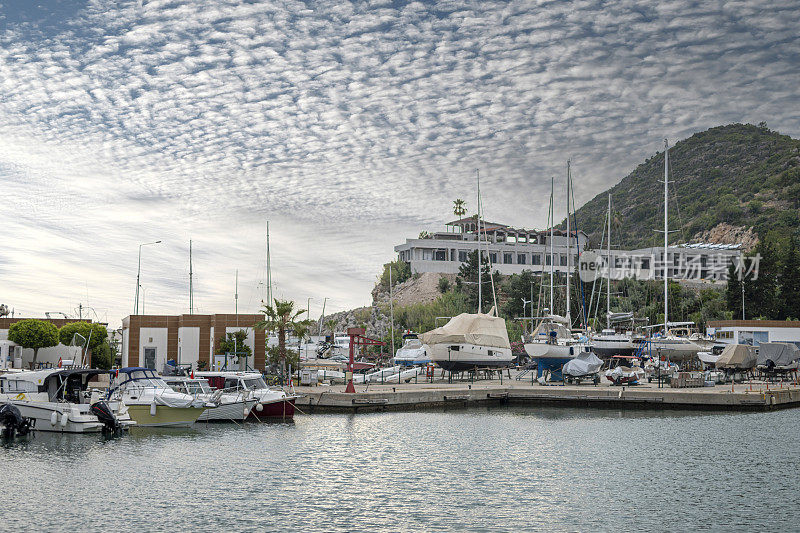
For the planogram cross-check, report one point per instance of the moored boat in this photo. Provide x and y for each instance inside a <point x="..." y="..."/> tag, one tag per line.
<point x="229" y="405"/>
<point x="269" y="403"/>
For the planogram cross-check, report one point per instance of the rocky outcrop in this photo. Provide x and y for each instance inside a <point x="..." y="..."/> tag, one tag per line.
<point x="724" y="233"/>
<point x="420" y="288"/>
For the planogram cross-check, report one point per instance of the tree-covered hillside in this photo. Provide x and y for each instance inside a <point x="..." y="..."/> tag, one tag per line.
<point x="741" y="175"/>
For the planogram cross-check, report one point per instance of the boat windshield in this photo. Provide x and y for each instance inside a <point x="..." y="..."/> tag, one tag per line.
<point x="143" y="379"/>
<point x="197" y="387"/>
<point x="254" y="383"/>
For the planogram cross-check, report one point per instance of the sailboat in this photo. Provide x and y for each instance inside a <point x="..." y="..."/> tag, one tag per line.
<point x="552" y="344"/>
<point x="471" y="340"/>
<point x="670" y="346"/>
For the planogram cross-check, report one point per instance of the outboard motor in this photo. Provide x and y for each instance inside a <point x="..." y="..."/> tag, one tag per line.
<point x="13" y="422"/>
<point x="105" y="415"/>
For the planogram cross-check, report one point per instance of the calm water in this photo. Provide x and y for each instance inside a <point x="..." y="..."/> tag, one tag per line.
<point x="503" y="469"/>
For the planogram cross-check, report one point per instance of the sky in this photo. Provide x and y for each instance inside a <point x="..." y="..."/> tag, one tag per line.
<point x="349" y="126"/>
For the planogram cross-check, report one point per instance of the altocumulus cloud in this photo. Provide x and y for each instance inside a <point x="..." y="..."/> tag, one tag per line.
<point x="348" y="125"/>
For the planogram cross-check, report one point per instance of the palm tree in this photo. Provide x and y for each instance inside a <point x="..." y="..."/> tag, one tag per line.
<point x="280" y="318"/>
<point x="459" y="207"/>
<point x="331" y="325"/>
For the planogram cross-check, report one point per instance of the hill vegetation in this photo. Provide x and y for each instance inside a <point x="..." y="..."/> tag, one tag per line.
<point x="738" y="175"/>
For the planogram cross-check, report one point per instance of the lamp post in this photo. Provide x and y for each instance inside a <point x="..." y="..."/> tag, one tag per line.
<point x="138" y="276"/>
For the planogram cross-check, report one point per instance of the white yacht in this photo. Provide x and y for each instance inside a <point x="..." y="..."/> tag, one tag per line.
<point x="470" y="340"/>
<point x="610" y="342"/>
<point x="269" y="403"/>
<point x="234" y="405"/>
<point x="151" y="402"/>
<point x="552" y="338"/>
<point x="64" y="400"/>
<point x="413" y="352"/>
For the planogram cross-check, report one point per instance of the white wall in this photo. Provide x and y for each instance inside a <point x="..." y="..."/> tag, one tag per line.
<point x="126" y="344"/>
<point x="159" y="342"/>
<point x="189" y="346"/>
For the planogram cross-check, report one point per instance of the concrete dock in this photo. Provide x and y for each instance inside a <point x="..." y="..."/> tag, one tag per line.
<point x="441" y="394"/>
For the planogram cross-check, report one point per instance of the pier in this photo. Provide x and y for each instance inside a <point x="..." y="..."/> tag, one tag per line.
<point x="411" y="396"/>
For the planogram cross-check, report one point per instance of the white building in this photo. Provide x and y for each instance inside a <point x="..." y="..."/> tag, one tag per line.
<point x="12" y="355"/>
<point x="510" y="250"/>
<point x="754" y="332"/>
<point x="696" y="262"/>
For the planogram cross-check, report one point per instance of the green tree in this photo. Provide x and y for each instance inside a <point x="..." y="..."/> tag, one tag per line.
<point x="515" y="289"/>
<point x="95" y="334"/>
<point x="34" y="334"/>
<point x="103" y="356"/>
<point x="401" y="271"/>
<point x="235" y="343"/>
<point x="459" y="207"/>
<point x="790" y="282"/>
<point x="467" y="280"/>
<point x="761" y="292"/>
<point x="733" y="292"/>
<point x="444" y="284"/>
<point x="282" y="318"/>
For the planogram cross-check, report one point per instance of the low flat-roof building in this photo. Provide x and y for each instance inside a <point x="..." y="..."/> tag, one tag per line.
<point x="693" y="262"/>
<point x="9" y="351"/>
<point x="152" y="340"/>
<point x="754" y="332"/>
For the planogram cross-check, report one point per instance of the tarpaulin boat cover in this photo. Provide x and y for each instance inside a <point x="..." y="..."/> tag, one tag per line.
<point x="780" y="353"/>
<point x="468" y="328"/>
<point x="737" y="356"/>
<point x="585" y="364"/>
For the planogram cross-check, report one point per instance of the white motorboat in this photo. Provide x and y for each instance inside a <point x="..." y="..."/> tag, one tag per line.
<point x="468" y="341"/>
<point x="151" y="402"/>
<point x="624" y="370"/>
<point x="269" y="403"/>
<point x="64" y="400"/>
<point x="413" y="352"/>
<point x="609" y="342"/>
<point x="234" y="405"/>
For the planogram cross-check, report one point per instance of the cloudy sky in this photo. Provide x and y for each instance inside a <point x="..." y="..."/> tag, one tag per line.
<point x="349" y="126"/>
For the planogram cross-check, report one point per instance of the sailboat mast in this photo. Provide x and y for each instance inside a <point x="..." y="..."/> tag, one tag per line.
<point x="666" y="235"/>
<point x="191" y="287"/>
<point x="480" y="251"/>
<point x="608" y="258"/>
<point x="552" y="223"/>
<point x="569" y="249"/>
<point x="269" y="271"/>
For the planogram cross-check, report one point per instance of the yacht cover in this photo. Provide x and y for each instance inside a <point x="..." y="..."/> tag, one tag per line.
<point x="468" y="328"/>
<point x="737" y="356"/>
<point x="708" y="357"/>
<point x="585" y="364"/>
<point x="780" y="353"/>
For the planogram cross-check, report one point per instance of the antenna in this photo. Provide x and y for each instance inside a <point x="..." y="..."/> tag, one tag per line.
<point x="269" y="271"/>
<point x="480" y="251"/>
<point x="236" y="297"/>
<point x="191" y="287"/>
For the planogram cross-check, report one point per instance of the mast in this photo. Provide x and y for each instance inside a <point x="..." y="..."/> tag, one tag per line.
<point x="269" y="272"/>
<point x="480" y="251"/>
<point x="666" y="235"/>
<point x="391" y="307"/>
<point x="608" y="258"/>
<point x="552" y="259"/>
<point x="191" y="287"/>
<point x="569" y="250"/>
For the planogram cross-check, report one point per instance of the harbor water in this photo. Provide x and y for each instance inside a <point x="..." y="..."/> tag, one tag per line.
<point x="487" y="469"/>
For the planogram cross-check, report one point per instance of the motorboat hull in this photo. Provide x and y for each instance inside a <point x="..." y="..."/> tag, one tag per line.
<point x="66" y="420"/>
<point x="544" y="349"/>
<point x="276" y="409"/>
<point x="674" y="349"/>
<point x="165" y="416"/>
<point x="463" y="357"/>
<point x="228" y="411"/>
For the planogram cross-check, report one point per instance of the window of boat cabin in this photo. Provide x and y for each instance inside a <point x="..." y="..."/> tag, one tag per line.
<point x="254" y="383"/>
<point x="231" y="383"/>
<point x="18" y="385"/>
<point x="455" y="348"/>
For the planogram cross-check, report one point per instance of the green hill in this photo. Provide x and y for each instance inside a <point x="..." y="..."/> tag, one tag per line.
<point x="729" y="179"/>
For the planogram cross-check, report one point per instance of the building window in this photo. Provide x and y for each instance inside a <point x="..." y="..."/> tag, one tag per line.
<point x="462" y="256"/>
<point x="520" y="259"/>
<point x="645" y="264"/>
<point x="511" y="239"/>
<point x="563" y="260"/>
<point x="508" y="258"/>
<point x="536" y="259"/>
<point x="427" y="255"/>
<point x="440" y="255"/>
<point x="549" y="260"/>
<point x="493" y="257"/>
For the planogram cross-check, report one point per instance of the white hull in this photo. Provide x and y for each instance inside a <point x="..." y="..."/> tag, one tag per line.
<point x="62" y="417"/>
<point x="228" y="411"/>
<point x="543" y="349"/>
<point x="675" y="349"/>
<point x="459" y="357"/>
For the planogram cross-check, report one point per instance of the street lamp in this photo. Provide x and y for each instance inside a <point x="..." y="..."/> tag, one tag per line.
<point x="138" y="275"/>
<point x="144" y="295"/>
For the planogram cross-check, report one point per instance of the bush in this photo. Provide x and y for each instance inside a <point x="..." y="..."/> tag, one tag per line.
<point x="444" y="284"/>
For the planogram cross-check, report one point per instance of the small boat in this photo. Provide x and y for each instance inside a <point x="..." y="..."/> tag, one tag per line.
<point x="412" y="352"/>
<point x="269" y="403"/>
<point x="584" y="366"/>
<point x="624" y="370"/>
<point x="609" y="343"/>
<point x="151" y="402"/>
<point x="778" y="357"/>
<point x="64" y="400"/>
<point x="230" y="405"/>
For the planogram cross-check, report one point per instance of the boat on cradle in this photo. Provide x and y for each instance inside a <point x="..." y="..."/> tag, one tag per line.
<point x="229" y="405"/>
<point x="65" y="400"/>
<point x="552" y="345"/>
<point x="585" y="366"/>
<point x="778" y="357"/>
<point x="470" y="340"/>
<point x="151" y="402"/>
<point x="269" y="403"/>
<point x="624" y="370"/>
<point x="413" y="352"/>
<point x="609" y="342"/>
